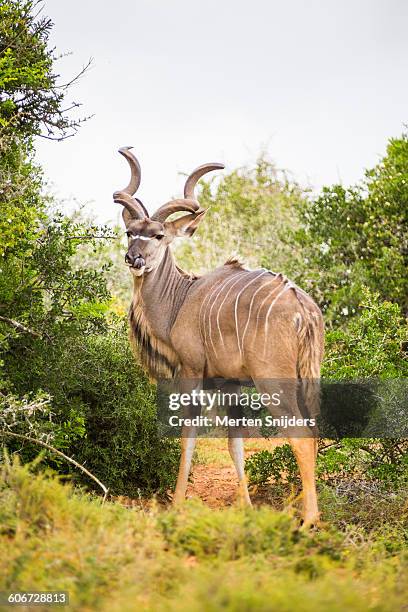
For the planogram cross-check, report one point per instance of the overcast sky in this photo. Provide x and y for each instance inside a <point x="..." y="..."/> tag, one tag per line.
<point x="319" y="84"/>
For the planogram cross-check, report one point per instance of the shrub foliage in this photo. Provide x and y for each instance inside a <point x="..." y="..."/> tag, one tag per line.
<point x="66" y="373"/>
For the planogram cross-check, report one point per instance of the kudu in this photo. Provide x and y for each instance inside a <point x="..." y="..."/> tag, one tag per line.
<point x="232" y="323"/>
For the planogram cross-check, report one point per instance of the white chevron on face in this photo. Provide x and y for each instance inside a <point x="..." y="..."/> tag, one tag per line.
<point x="138" y="237"/>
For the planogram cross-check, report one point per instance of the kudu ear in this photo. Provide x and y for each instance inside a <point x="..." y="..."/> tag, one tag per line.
<point x="184" y="226"/>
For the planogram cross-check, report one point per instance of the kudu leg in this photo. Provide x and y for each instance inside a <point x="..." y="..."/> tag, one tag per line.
<point x="300" y="438"/>
<point x="236" y="450"/>
<point x="188" y="442"/>
<point x="304" y="450"/>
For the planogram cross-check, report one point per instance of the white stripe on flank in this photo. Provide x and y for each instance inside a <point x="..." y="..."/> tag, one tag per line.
<point x="214" y="302"/>
<point x="297" y="322"/>
<point x="236" y="306"/>
<point x="201" y="314"/>
<point x="206" y="303"/>
<point x="285" y="288"/>
<point x="263" y="302"/>
<point x="250" y="308"/>
<point x="219" y="310"/>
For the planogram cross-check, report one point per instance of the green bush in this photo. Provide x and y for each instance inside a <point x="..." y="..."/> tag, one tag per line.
<point x="58" y="338"/>
<point x="370" y="347"/>
<point x="104" y="412"/>
<point x="122" y="445"/>
<point x="279" y="465"/>
<point x="249" y="212"/>
<point x="195" y="558"/>
<point x="383" y="462"/>
<point x="354" y="237"/>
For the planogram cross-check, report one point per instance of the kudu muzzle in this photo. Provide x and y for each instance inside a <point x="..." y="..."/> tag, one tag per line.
<point x="137" y="262"/>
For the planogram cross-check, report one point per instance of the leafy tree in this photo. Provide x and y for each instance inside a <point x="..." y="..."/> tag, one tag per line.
<point x="32" y="103"/>
<point x="358" y="236"/>
<point x="32" y="99"/>
<point x="372" y="345"/>
<point x="66" y="375"/>
<point x="250" y="210"/>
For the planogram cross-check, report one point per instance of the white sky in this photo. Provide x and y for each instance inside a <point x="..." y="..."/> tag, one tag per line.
<point x="319" y="84"/>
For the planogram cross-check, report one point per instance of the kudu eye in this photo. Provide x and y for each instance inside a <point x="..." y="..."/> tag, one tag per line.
<point x="159" y="236"/>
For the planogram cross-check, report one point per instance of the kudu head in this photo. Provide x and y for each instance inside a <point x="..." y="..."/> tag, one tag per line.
<point x="148" y="237"/>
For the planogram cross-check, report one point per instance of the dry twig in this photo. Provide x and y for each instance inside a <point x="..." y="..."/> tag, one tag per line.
<point x="61" y="454"/>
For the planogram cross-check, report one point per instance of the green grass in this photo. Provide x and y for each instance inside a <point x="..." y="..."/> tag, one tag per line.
<point x="214" y="451"/>
<point x="194" y="558"/>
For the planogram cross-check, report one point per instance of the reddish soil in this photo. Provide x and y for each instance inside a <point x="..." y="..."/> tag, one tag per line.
<point x="216" y="485"/>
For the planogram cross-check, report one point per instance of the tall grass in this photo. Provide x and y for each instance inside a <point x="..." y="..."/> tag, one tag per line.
<point x="112" y="558"/>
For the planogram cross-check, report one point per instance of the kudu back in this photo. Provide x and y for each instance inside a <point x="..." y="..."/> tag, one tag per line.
<point x="232" y="323"/>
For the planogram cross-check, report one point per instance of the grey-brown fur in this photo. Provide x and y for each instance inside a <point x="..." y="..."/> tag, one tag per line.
<point x="231" y="323"/>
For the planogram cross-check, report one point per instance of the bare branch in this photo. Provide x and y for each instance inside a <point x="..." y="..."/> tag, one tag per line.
<point x="77" y="76"/>
<point x="20" y="327"/>
<point x="56" y="138"/>
<point x="61" y="454"/>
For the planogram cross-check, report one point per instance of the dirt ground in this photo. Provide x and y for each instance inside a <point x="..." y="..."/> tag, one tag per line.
<point x="213" y="478"/>
<point x="215" y="485"/>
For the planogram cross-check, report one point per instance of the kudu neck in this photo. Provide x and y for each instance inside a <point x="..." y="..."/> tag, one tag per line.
<point x="163" y="292"/>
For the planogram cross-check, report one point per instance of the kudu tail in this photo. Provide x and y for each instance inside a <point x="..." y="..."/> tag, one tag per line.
<point x="310" y="355"/>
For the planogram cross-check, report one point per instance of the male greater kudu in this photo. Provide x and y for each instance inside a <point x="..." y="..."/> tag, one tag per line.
<point x="232" y="323"/>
